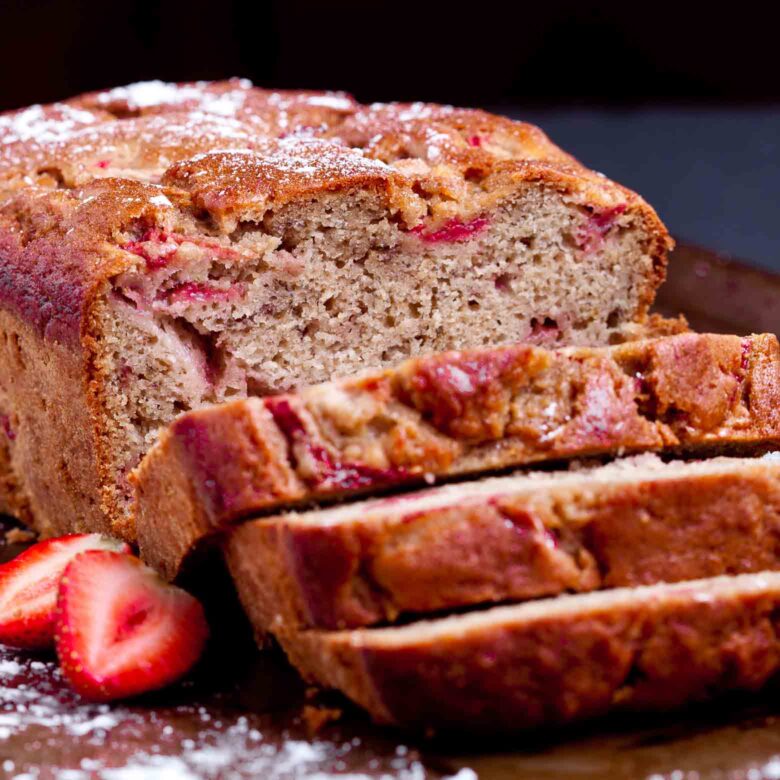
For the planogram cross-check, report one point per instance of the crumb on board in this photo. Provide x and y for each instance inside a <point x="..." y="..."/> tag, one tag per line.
<point x="317" y="717"/>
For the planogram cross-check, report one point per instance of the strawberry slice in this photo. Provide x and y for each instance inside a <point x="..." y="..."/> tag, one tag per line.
<point x="122" y="630"/>
<point x="28" y="587"/>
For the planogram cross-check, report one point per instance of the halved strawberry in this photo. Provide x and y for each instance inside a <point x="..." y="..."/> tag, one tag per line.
<point x="122" y="630"/>
<point x="28" y="587"/>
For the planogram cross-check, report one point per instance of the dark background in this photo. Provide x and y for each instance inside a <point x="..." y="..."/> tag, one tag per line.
<point x="680" y="101"/>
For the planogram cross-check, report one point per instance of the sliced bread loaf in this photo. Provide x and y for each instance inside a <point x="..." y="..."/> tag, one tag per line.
<point x="634" y="522"/>
<point x="453" y="414"/>
<point x="557" y="660"/>
<point x="168" y="247"/>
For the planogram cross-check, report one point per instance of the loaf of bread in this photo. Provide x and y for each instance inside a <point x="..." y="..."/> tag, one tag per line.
<point x="637" y="521"/>
<point x="166" y="247"/>
<point x="558" y="660"/>
<point x="448" y="415"/>
<point x="186" y="271"/>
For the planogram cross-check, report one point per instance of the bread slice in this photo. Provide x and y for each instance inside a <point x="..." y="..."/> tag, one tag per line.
<point x="634" y="522"/>
<point x="448" y="415"/>
<point x="557" y="660"/>
<point x="166" y="247"/>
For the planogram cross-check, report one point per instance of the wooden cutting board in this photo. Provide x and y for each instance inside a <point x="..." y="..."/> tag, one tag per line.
<point x="245" y="714"/>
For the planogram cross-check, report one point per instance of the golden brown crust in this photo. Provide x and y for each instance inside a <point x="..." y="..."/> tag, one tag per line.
<point x="456" y="414"/>
<point x="287" y="110"/>
<point x="467" y="138"/>
<point x="231" y="439"/>
<point x="53" y="445"/>
<point x="56" y="156"/>
<point x="466" y="160"/>
<point x="246" y="184"/>
<point x="515" y="539"/>
<point x="556" y="661"/>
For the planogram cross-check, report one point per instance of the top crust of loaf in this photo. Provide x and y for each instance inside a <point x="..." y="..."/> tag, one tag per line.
<point x="233" y="97"/>
<point x="82" y="179"/>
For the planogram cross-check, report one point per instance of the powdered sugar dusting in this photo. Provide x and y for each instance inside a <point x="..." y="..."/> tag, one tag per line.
<point x="214" y="152"/>
<point x="47" y="732"/>
<point x="145" y="94"/>
<point x="26" y="705"/>
<point x="289" y="165"/>
<point x="227" y="99"/>
<point x="160" y="200"/>
<point x="139" y="148"/>
<point x="301" y="155"/>
<point x="44" y="124"/>
<point x="333" y="101"/>
<point x="174" y="123"/>
<point x="311" y="156"/>
<point x="410" y="112"/>
<point x="293" y="143"/>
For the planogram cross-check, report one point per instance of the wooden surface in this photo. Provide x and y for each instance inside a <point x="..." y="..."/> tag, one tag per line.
<point x="240" y="715"/>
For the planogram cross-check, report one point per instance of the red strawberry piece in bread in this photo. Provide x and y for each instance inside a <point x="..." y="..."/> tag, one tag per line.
<point x="28" y="587"/>
<point x="122" y="630"/>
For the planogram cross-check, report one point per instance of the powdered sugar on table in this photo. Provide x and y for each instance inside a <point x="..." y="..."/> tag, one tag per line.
<point x="47" y="732"/>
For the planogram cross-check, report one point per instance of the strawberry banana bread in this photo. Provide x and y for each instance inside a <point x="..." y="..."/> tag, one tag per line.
<point x="633" y="522"/>
<point x="165" y="247"/>
<point x="554" y="661"/>
<point x="452" y="414"/>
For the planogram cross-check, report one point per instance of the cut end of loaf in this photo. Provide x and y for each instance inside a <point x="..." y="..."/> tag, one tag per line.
<point x="334" y="287"/>
<point x="633" y="522"/>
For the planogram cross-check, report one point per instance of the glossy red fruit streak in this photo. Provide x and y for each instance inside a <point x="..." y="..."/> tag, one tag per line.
<point x="198" y="292"/>
<point x="475" y="140"/>
<point x="524" y="523"/>
<point x="460" y="394"/>
<point x="605" y="219"/>
<point x="747" y="346"/>
<point x="454" y="230"/>
<point x="333" y="475"/>
<point x="121" y="630"/>
<point x="103" y="164"/>
<point x="590" y="237"/>
<point x="208" y="453"/>
<point x="28" y="587"/>
<point x="157" y="236"/>
<point x="463" y="375"/>
<point x="160" y="260"/>
<point x="5" y="424"/>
